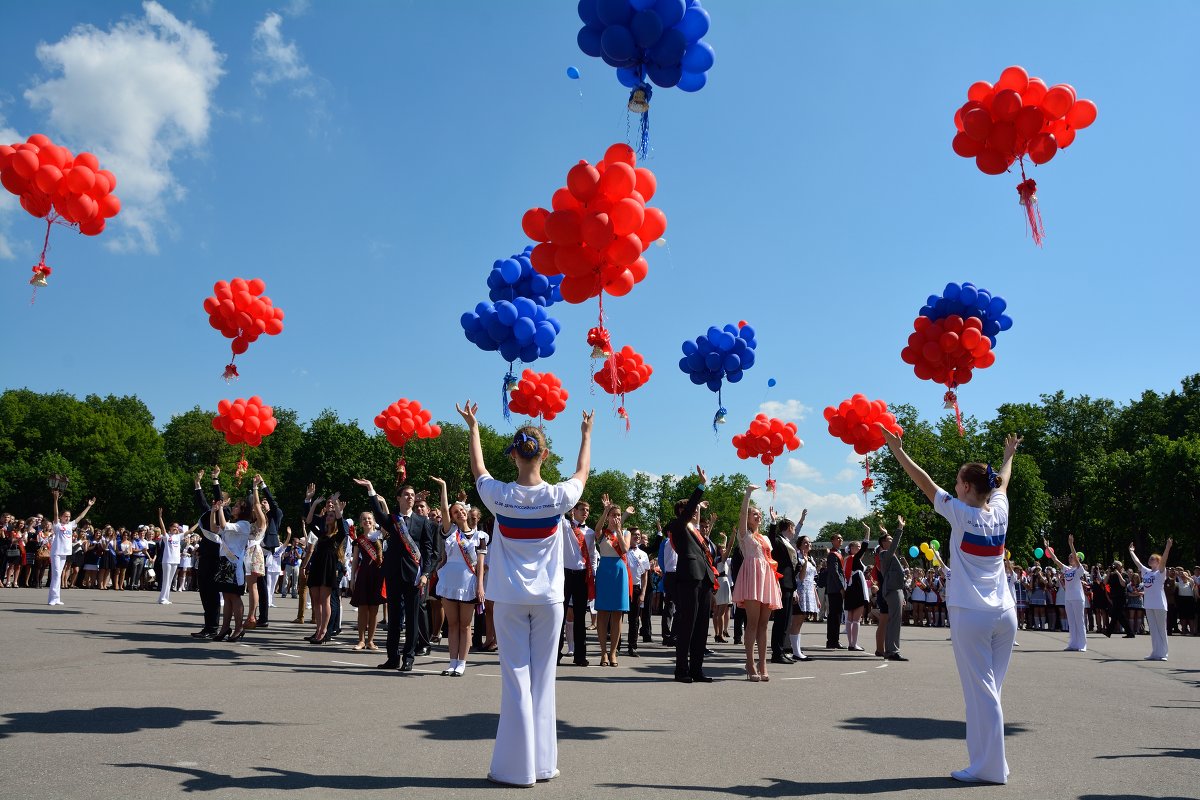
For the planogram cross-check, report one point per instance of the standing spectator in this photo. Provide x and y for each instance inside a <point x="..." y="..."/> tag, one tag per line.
<point x="891" y="591"/>
<point x="834" y="584"/>
<point x="15" y="555"/>
<point x="1155" y="599"/>
<point x="614" y="580"/>
<point x="693" y="584"/>
<point x="781" y="534"/>
<point x="668" y="561"/>
<point x="459" y="577"/>
<point x="724" y="597"/>
<point x="64" y="530"/>
<point x="757" y="587"/>
<point x="170" y="544"/>
<point x="639" y="566"/>
<point x="270" y="550"/>
<point x="1185" y="598"/>
<point x="579" y="582"/>
<point x="1115" y="584"/>
<point x="856" y="594"/>
<point x="806" y="596"/>
<point x="139" y="551"/>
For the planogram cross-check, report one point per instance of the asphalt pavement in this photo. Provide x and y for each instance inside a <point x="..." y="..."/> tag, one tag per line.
<point x="108" y="697"/>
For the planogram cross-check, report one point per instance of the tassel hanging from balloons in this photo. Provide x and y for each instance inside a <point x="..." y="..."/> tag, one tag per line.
<point x="722" y="413"/>
<point x="510" y="383"/>
<point x="639" y="103"/>
<point x="1027" y="191"/>
<point x="950" y="400"/>
<point x="868" y="483"/>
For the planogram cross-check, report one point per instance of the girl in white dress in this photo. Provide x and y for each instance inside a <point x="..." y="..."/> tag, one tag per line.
<point x="806" y="596"/>
<point x="458" y="581"/>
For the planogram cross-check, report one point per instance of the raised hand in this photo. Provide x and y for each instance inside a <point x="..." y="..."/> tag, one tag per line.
<point x="604" y="501"/>
<point x="310" y="491"/>
<point x="216" y="471"/>
<point x="586" y="426"/>
<point x="890" y="439"/>
<point x="900" y="522"/>
<point x="258" y="481"/>
<point x="440" y="482"/>
<point x="1011" y="443"/>
<point x="364" y="482"/>
<point x="703" y="477"/>
<point x="467" y="412"/>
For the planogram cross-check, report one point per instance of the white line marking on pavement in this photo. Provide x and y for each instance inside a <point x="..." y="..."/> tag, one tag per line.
<point x="860" y="672"/>
<point x="882" y="666"/>
<point x="801" y="678"/>
<point x="349" y="663"/>
<point x="289" y="655"/>
<point x="497" y="675"/>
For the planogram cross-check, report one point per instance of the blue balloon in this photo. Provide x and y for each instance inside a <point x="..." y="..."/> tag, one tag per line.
<point x="670" y="12"/>
<point x="544" y="334"/>
<point x="497" y="330"/>
<point x="642" y="5"/>
<point x="614" y="12"/>
<point x="546" y="350"/>
<point x="991" y="327"/>
<point x="684" y="366"/>
<point x="747" y="333"/>
<point x="997" y="306"/>
<point x="992" y="339"/>
<point x="510" y="350"/>
<point x="747" y="359"/>
<point x="734" y="377"/>
<point x="470" y="322"/>
<point x="714" y="384"/>
<point x="1005" y="322"/>
<point x="669" y="50"/>
<point x="628" y="78"/>
<point x="732" y="363"/>
<point x="951" y="291"/>
<point x="510" y="270"/>
<point x="704" y="344"/>
<point x="528" y="352"/>
<point x="771" y="383"/>
<point x="524" y="329"/>
<point x="713" y="361"/>
<point x="589" y="41"/>
<point x="692" y="82"/>
<point x="694" y="23"/>
<point x="646" y="27"/>
<point x="697" y="378"/>
<point x="666" y="77"/>
<point x="695" y="361"/>
<point x="573" y="73"/>
<point x="587" y="12"/>
<point x="968" y="295"/>
<point x="698" y="57"/>
<point x="506" y="312"/>
<point x="618" y="43"/>
<point x="689" y="347"/>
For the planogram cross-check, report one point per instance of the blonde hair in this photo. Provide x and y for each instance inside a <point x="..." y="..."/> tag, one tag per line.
<point x="528" y="442"/>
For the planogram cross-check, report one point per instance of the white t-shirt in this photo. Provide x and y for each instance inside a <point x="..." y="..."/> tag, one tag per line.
<point x="1154" y="597"/>
<point x="572" y="556"/>
<point x="170" y="546"/>
<point x="670" y="559"/>
<point x="525" y="558"/>
<point x="639" y="564"/>
<point x="977" y="540"/>
<point x="60" y="544"/>
<point x="1073" y="577"/>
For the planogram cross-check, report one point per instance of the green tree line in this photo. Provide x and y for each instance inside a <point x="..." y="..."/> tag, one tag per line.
<point x="1109" y="473"/>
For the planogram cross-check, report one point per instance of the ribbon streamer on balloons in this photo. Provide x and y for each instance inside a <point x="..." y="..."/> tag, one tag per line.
<point x="623" y="371"/>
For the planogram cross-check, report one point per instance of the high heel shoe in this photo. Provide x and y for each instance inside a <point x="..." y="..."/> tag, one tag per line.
<point x="223" y="635"/>
<point x="752" y="676"/>
<point x="238" y="634"/>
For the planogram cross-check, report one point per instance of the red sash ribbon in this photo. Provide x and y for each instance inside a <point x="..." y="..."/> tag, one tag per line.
<point x="615" y="542"/>
<point x="587" y="561"/>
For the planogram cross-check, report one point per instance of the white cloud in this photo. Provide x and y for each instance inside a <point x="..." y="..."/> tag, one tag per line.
<point x="138" y="95"/>
<point x="8" y="202"/>
<point x="788" y="410"/>
<point x="803" y="471"/>
<point x="847" y="475"/>
<point x="279" y="60"/>
<point x="791" y="499"/>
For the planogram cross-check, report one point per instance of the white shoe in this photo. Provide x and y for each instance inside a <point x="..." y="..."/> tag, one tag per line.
<point x="963" y="776"/>
<point x="164" y="602"/>
<point x="549" y="777"/>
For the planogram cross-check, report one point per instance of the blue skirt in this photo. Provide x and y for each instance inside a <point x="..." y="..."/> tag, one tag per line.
<point x="612" y="585"/>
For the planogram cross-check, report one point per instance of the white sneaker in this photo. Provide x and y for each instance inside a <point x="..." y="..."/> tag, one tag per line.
<point x="549" y="777"/>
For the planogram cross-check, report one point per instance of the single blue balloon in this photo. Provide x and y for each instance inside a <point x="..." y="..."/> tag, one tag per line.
<point x="524" y="329"/>
<point x="747" y="333"/>
<point x="618" y="44"/>
<point x="913" y="552"/>
<point x="669" y="50"/>
<point x="670" y="12"/>
<point x="614" y="12"/>
<point x="1005" y="322"/>
<point x="734" y="377"/>
<point x="666" y="77"/>
<point x="587" y="12"/>
<point x="628" y="78"/>
<point x="589" y="41"/>
<point x="951" y="291"/>
<point x="692" y="82"/>
<point x="695" y="361"/>
<point x="470" y="322"/>
<point x="771" y="383"/>
<point x="689" y="347"/>
<point x="698" y="57"/>
<point x="544" y="334"/>
<point x="573" y="73"/>
<point x="642" y="5"/>
<point x="713" y="361"/>
<point x="997" y="306"/>
<point x="694" y="23"/>
<point x="506" y="312"/>
<point x="714" y="384"/>
<point x="497" y="330"/>
<point x="646" y="28"/>
<point x="731" y="363"/>
<point x="698" y="379"/>
<point x="684" y="367"/>
<point x="510" y="350"/>
<point x="748" y="358"/>
<point x="546" y="350"/>
<point x="510" y="270"/>
<point x="529" y="352"/>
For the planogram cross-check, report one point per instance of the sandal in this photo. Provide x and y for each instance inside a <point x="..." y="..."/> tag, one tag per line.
<point x="359" y="646"/>
<point x="752" y="676"/>
<point x="250" y="624"/>
<point x="372" y="646"/>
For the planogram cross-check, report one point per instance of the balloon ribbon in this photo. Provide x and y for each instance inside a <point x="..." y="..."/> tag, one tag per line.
<point x="950" y="400"/>
<point x="1027" y="190"/>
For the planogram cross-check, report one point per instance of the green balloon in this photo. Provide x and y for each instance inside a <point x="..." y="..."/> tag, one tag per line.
<point x="1080" y="556"/>
<point x="1039" y="552"/>
<point x="935" y="544"/>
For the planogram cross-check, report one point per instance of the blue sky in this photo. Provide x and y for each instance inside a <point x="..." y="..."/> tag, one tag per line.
<point x="370" y="160"/>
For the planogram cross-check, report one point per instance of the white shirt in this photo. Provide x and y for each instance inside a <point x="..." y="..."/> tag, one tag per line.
<point x="1073" y="577"/>
<point x="572" y="556"/>
<point x="1154" y="597"/>
<point x="639" y="565"/>
<point x="60" y="543"/>
<point x="977" y="540"/>
<point x="670" y="560"/>
<point x="525" y="559"/>
<point x="170" y="546"/>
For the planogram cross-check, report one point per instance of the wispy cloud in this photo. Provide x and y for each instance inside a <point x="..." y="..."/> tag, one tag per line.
<point x="787" y="410"/>
<point x="8" y="203"/>
<point x="139" y="95"/>
<point x="791" y="499"/>
<point x="279" y="60"/>
<point x="803" y="471"/>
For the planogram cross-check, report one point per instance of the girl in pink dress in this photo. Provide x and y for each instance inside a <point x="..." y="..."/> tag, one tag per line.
<point x="757" y="587"/>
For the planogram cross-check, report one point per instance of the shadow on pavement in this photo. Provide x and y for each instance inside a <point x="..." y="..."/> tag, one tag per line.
<point x="1191" y="753"/>
<point x="918" y="728"/>
<point x="272" y="779"/>
<point x="482" y="727"/>
<point x="785" y="788"/>
<point x="47" y="610"/>
<point x="101" y="720"/>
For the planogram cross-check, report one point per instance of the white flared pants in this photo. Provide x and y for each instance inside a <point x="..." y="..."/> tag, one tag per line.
<point x="56" y="570"/>
<point x="983" y="644"/>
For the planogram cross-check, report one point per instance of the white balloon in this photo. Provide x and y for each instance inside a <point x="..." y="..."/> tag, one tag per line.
<point x="660" y="242"/>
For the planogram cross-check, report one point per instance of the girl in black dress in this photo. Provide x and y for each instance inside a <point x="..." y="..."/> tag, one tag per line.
<point x="366" y="581"/>
<point x="856" y="593"/>
<point x="323" y="575"/>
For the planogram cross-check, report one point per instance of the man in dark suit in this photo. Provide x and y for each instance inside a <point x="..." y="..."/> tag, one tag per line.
<point x="407" y="563"/>
<point x="695" y="579"/>
<point x="207" y="555"/>
<point x="782" y="533"/>
<point x="891" y="589"/>
<point x="835" y="581"/>
<point x="270" y="543"/>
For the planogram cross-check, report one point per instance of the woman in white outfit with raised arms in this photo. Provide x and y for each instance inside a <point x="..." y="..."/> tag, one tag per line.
<point x="1073" y="574"/>
<point x="525" y="581"/>
<point x="983" y="623"/>
<point x="1155" y="598"/>
<point x="60" y="546"/>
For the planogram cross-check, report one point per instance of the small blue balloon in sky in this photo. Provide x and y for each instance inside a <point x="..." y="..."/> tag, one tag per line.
<point x="573" y="73"/>
<point x="771" y="383"/>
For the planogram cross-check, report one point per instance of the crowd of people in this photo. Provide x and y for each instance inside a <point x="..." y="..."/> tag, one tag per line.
<point x="528" y="577"/>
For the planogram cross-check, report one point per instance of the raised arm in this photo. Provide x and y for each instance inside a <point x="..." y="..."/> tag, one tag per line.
<point x="895" y="546"/>
<point x="583" y="465"/>
<point x="1162" y="564"/>
<point x="1133" y="555"/>
<point x="744" y="514"/>
<point x="1049" y="551"/>
<point x="274" y="512"/>
<point x="446" y="523"/>
<point x="919" y="476"/>
<point x="259" y="517"/>
<point x="1011" y="443"/>
<point x="467" y="411"/>
<point x="55" y="494"/>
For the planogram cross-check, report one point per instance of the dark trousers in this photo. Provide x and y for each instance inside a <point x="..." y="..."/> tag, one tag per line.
<point x="781" y="619"/>
<point x="833" y="626"/>
<point x="210" y="598"/>
<point x="1117" y="616"/>
<point x="693" y="609"/>
<point x="404" y="603"/>
<point x="576" y="594"/>
<point x="263" y="600"/>
<point x="739" y="623"/>
<point x="644" y="613"/>
<point x="668" y="607"/>
<point x="635" y="618"/>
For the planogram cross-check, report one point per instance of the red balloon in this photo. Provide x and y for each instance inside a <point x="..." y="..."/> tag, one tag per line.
<point x="1042" y="148"/>
<point x="244" y="421"/>
<point x="1081" y="114"/>
<point x="1005" y="105"/>
<point x="977" y="123"/>
<point x="583" y="180"/>
<point x="978" y="91"/>
<point x="991" y="162"/>
<point x="1028" y="122"/>
<point x="1003" y="138"/>
<point x="1014" y="78"/>
<point x="966" y="146"/>
<point x="1058" y="101"/>
<point x="538" y="395"/>
<point x="534" y="224"/>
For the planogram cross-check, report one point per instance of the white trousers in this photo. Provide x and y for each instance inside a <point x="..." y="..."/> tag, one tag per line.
<point x="56" y="570"/>
<point x="1156" y="620"/>
<point x="272" y="579"/>
<point x="527" y="737"/>
<point x="167" y="578"/>
<point x="983" y="645"/>
<point x="1077" y="626"/>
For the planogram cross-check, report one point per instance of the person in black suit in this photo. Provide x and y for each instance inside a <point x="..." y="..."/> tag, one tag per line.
<point x="270" y="543"/>
<point x="835" y="581"/>
<point x="407" y="564"/>
<point x="782" y="533"/>
<point x="207" y="555"/>
<point x="695" y="581"/>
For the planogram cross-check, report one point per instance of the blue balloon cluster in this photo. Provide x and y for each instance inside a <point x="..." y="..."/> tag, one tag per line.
<point x="721" y="354"/>
<point x="515" y="277"/>
<point x="520" y="329"/>
<point x="968" y="300"/>
<point x="659" y="40"/>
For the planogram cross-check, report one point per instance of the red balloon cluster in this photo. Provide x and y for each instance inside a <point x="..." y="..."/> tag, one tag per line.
<point x="947" y="350"/>
<point x="598" y="228"/>
<point x="538" y="394"/>
<point x="240" y="311"/>
<point x="854" y="422"/>
<point x="766" y="439"/>
<point x="624" y="372"/>
<point x="48" y="179"/>
<point x="1018" y="116"/>
<point x="244" y="421"/>
<point x="404" y="420"/>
